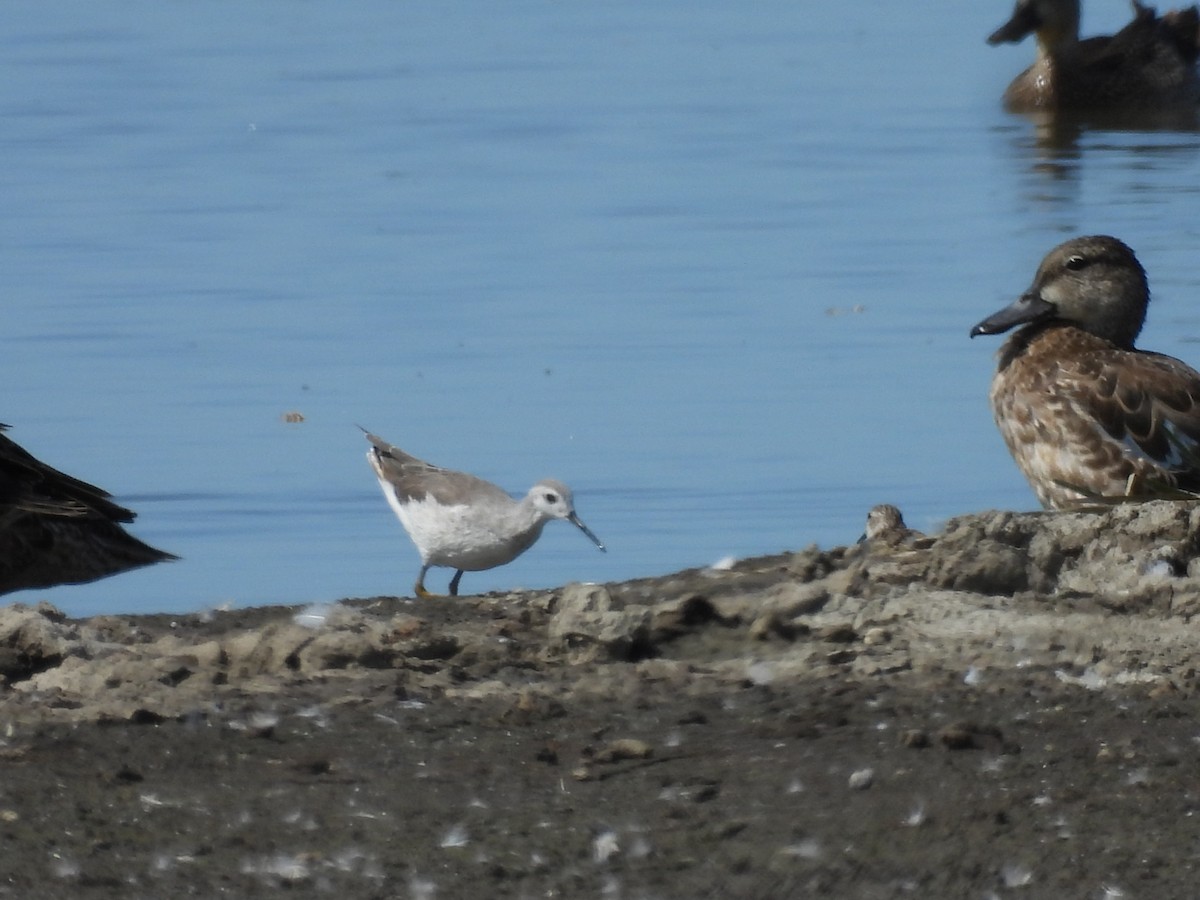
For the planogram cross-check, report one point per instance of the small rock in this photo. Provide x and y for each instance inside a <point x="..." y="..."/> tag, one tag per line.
<point x="838" y="634"/>
<point x="876" y="635"/>
<point x="772" y="624"/>
<point x="862" y="779"/>
<point x="969" y="736"/>
<point x="594" y="625"/>
<point x="624" y="748"/>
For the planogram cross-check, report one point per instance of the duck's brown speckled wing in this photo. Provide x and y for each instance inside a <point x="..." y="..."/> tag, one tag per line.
<point x="1150" y="404"/>
<point x="1085" y="420"/>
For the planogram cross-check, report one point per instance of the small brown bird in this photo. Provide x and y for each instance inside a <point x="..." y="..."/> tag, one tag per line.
<point x="886" y="528"/>
<point x="55" y="529"/>
<point x="1086" y="415"/>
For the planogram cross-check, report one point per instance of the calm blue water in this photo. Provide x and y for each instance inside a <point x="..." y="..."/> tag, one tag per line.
<point x="712" y="264"/>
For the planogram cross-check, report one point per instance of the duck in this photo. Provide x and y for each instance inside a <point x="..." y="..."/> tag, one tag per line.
<point x="1088" y="416"/>
<point x="1150" y="62"/>
<point x="56" y="529"/>
<point x="461" y="521"/>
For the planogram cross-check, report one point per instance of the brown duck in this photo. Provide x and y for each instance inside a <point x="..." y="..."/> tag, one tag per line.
<point x="1150" y="62"/>
<point x="1086" y="415"/>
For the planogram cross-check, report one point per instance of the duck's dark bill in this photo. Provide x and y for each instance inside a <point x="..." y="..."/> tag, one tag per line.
<point x="1024" y="21"/>
<point x="1026" y="308"/>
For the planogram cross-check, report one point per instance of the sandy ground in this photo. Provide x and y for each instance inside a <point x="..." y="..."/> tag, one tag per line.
<point x="1006" y="709"/>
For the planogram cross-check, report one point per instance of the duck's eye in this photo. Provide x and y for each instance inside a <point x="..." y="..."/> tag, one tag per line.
<point x="1075" y="263"/>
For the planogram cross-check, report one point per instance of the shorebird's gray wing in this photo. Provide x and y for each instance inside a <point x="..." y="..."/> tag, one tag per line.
<point x="413" y="479"/>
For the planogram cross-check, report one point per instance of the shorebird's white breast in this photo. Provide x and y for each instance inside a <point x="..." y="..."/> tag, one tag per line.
<point x="474" y="536"/>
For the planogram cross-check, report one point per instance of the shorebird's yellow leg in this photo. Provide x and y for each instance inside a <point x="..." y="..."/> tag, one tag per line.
<point x="419" y="587"/>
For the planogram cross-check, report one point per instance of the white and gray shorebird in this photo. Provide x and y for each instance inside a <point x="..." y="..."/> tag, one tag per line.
<point x="463" y="522"/>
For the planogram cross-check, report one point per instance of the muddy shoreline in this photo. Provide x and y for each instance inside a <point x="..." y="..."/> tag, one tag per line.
<point x="1007" y="707"/>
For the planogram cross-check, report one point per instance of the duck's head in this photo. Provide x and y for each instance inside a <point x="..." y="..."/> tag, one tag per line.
<point x="1055" y="21"/>
<point x="1095" y="283"/>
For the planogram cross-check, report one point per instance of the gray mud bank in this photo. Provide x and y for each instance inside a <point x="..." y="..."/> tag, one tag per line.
<point x="1004" y="708"/>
